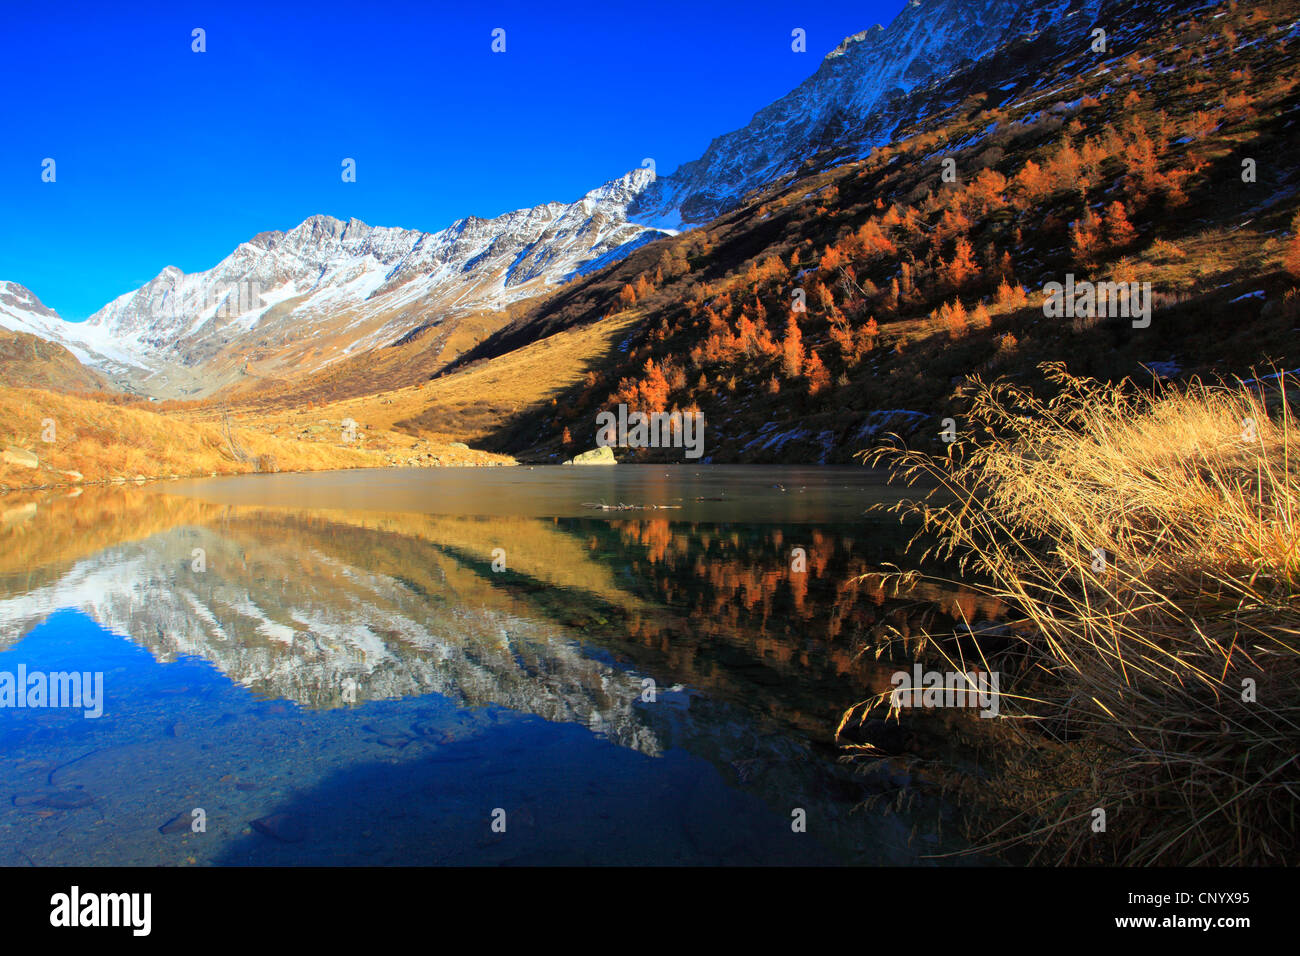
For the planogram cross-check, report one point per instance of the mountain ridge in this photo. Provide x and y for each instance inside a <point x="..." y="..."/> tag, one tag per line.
<point x="289" y="303"/>
<point x="305" y="297"/>
<point x="849" y="96"/>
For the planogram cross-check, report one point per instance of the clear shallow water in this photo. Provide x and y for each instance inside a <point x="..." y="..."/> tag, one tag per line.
<point x="332" y="669"/>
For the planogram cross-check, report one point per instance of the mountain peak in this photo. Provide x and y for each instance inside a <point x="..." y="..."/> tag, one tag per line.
<point x="319" y="225"/>
<point x="624" y="188"/>
<point x="20" y="298"/>
<point x="848" y="42"/>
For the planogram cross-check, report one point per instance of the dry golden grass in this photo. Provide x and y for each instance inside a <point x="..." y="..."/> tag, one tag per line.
<point x="476" y="401"/>
<point x="466" y="406"/>
<point x="1149" y="543"/>
<point x="102" y="440"/>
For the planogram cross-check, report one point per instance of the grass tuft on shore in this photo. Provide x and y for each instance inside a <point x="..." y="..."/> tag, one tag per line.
<point x="1148" y="541"/>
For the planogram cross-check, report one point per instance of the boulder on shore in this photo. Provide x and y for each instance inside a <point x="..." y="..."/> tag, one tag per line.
<point x="17" y="456"/>
<point x="604" y="455"/>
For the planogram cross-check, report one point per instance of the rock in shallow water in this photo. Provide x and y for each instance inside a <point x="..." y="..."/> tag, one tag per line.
<point x="68" y="800"/>
<point x="281" y="826"/>
<point x="603" y="455"/>
<point x="181" y="823"/>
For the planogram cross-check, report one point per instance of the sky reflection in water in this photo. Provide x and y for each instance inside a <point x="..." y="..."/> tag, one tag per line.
<point x="335" y="657"/>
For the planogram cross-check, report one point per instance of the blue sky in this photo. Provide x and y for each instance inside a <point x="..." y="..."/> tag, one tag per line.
<point x="169" y="157"/>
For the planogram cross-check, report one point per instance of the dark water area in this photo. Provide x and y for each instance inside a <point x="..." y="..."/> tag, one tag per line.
<point x="455" y="666"/>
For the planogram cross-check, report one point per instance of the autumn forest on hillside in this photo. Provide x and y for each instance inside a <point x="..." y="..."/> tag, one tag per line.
<point x="877" y="285"/>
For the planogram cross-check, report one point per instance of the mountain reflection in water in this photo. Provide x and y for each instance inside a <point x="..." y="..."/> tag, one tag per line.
<point x="335" y="657"/>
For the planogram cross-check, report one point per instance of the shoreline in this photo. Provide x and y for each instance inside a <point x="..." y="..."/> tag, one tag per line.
<point x="121" y="480"/>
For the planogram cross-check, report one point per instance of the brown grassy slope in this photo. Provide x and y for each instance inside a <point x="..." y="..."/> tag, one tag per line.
<point x="412" y="358"/>
<point x="480" y="399"/>
<point x="471" y="403"/>
<point x="102" y="440"/>
<point x="1210" y="244"/>
<point x="30" y="362"/>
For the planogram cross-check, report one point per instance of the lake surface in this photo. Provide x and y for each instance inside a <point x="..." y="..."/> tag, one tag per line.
<point x="455" y="666"/>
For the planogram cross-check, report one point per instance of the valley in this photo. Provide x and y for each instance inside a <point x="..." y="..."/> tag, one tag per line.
<point x="988" y="333"/>
<point x="915" y="286"/>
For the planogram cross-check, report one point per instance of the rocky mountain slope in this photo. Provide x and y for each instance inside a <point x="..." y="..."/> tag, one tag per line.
<point x="1110" y="165"/>
<point x="30" y="355"/>
<point x="856" y="99"/>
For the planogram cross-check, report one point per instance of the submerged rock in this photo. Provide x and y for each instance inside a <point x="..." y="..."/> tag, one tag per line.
<point x="281" y="826"/>
<point x="433" y="732"/>
<point x="68" y="800"/>
<point x="181" y="823"/>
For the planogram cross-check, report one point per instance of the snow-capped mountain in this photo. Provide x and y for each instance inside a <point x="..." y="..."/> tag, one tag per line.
<point x="30" y="355"/>
<point x="852" y="98"/>
<point x="21" y="311"/>
<point x="325" y="289"/>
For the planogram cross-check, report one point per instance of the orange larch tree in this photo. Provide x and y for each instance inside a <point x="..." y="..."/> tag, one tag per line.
<point x="654" y="388"/>
<point x="1033" y="185"/>
<point x="1085" y="238"/>
<point x="1291" y="256"/>
<point x="1119" y="231"/>
<point x="815" y="372"/>
<point x="962" y="270"/>
<point x="792" y="348"/>
<point x="953" y="318"/>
